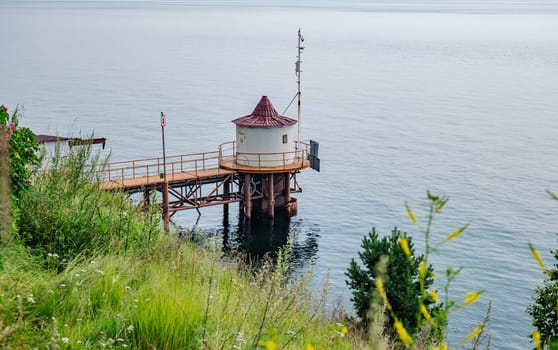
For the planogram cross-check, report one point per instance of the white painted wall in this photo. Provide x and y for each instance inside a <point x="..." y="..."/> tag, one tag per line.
<point x="265" y="146"/>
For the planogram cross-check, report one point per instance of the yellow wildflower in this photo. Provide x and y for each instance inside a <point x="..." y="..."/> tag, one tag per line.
<point x="471" y="298"/>
<point x="381" y="290"/>
<point x="380" y="285"/>
<point x="309" y="347"/>
<point x="434" y="296"/>
<point x="410" y="213"/>
<point x="405" y="246"/>
<point x="403" y="335"/>
<point x="537" y="339"/>
<point x="537" y="256"/>
<point x="425" y="313"/>
<point x="269" y="345"/>
<point x="443" y="346"/>
<point x="422" y="268"/>
<point x="474" y="333"/>
<point x="455" y="233"/>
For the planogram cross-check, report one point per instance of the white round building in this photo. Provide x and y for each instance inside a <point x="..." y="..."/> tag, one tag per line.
<point x="265" y="139"/>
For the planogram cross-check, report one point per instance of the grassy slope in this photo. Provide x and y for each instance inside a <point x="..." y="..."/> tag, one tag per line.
<point x="181" y="297"/>
<point x="89" y="271"/>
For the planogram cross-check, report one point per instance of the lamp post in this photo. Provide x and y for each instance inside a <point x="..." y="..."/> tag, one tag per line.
<point x="165" y="189"/>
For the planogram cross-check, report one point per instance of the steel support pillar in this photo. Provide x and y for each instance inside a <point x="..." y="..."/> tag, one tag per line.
<point x="287" y="187"/>
<point x="247" y="199"/>
<point x="226" y="197"/>
<point x="271" y="195"/>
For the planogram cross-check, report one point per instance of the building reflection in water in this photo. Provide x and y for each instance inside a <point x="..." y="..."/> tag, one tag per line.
<point x="263" y="236"/>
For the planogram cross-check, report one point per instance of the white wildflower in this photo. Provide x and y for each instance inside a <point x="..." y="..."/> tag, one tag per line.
<point x="130" y="328"/>
<point x="65" y="340"/>
<point x="30" y="299"/>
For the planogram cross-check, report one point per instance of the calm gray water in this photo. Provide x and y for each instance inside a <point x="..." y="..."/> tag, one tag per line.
<point x="456" y="97"/>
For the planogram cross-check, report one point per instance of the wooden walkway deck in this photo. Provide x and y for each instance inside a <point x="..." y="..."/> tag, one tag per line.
<point x="157" y="180"/>
<point x="135" y="174"/>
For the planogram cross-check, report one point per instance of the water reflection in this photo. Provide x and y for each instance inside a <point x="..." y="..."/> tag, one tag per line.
<point x="263" y="236"/>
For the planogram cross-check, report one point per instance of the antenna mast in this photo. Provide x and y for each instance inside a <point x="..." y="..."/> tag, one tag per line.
<point x="298" y="71"/>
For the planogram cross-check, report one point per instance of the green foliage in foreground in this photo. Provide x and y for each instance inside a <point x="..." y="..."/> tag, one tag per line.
<point x="23" y="151"/>
<point x="402" y="282"/>
<point x="181" y="297"/>
<point x="65" y="214"/>
<point x="544" y="311"/>
<point x="88" y="271"/>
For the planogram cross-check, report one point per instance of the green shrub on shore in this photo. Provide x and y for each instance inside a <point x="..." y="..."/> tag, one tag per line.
<point x="401" y="280"/>
<point x="544" y="310"/>
<point x="66" y="213"/>
<point x="397" y="281"/>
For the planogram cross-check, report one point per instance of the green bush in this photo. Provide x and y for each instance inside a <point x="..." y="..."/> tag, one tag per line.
<point x="23" y="151"/>
<point x="544" y="311"/>
<point x="401" y="280"/>
<point x="66" y="214"/>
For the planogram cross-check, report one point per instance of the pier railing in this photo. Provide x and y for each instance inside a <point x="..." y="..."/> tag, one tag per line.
<point x="194" y="163"/>
<point x="231" y="158"/>
<point x="151" y="170"/>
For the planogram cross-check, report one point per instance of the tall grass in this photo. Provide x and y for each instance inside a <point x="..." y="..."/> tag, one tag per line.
<point x="90" y="271"/>
<point x="182" y="297"/>
<point x="65" y="213"/>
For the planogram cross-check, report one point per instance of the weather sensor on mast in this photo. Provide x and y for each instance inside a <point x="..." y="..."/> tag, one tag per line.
<point x="298" y="71"/>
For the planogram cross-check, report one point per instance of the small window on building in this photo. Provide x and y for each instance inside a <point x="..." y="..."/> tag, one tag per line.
<point x="285" y="138"/>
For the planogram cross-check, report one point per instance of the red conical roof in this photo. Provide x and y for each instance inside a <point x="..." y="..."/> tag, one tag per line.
<point x="264" y="115"/>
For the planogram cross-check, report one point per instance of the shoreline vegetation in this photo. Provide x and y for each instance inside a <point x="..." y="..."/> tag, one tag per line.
<point x="82" y="268"/>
